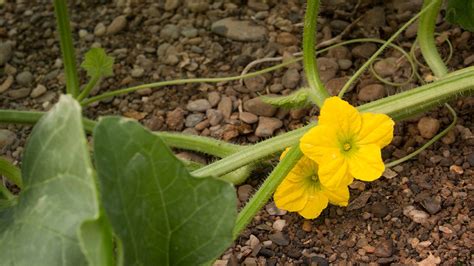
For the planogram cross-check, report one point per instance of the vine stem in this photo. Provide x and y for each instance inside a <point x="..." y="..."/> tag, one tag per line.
<point x="318" y="92"/>
<point x="109" y="94"/>
<point x="89" y="87"/>
<point x="426" y="37"/>
<point x="67" y="47"/>
<point x="260" y="198"/>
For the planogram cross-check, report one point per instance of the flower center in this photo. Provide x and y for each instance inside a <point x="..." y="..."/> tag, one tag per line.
<point x="346" y="146"/>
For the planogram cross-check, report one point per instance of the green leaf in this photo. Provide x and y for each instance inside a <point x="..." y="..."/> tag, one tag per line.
<point x="297" y="99"/>
<point x="97" y="63"/>
<point x="461" y="12"/>
<point x="11" y="172"/>
<point x="59" y="194"/>
<point x="161" y="213"/>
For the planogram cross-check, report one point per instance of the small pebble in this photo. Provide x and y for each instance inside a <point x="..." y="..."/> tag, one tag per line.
<point x="428" y="127"/>
<point x="278" y="225"/>
<point x="248" y="118"/>
<point x="200" y="105"/>
<point x="38" y="91"/>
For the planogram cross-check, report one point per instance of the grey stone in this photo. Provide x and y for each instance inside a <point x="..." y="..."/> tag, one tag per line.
<point x="256" y="83"/>
<point x="214" y="116"/>
<point x="257" y="107"/>
<point x="137" y="72"/>
<point x="248" y="118"/>
<point x="432" y="205"/>
<point x="100" y="30"/>
<point x="197" y="6"/>
<point x="5" y="52"/>
<point x="189" y="32"/>
<point x="171" y="4"/>
<point x="193" y="119"/>
<point x="344" y="64"/>
<point x="335" y="85"/>
<point x="169" y="32"/>
<point x="200" y="105"/>
<point x="213" y="97"/>
<point x="267" y="125"/>
<point x="238" y="30"/>
<point x="119" y="23"/>
<point x="6" y="84"/>
<point x="279" y="238"/>
<point x="371" y="92"/>
<point x="291" y="78"/>
<point x="364" y="50"/>
<point x="225" y="106"/>
<point x="38" y="91"/>
<point x="386" y="67"/>
<point x="24" y="78"/>
<point x="19" y="93"/>
<point x="328" y="68"/>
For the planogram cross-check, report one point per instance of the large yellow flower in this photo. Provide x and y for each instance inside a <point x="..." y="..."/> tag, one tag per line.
<point x="346" y="141"/>
<point x="302" y="192"/>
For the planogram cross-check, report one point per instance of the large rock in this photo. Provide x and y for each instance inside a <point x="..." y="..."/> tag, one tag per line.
<point x="428" y="127"/>
<point x="267" y="125"/>
<point x="239" y="30"/>
<point x="371" y="92"/>
<point x="118" y="24"/>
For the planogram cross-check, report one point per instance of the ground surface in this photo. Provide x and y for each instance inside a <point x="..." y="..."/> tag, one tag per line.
<point x="420" y="211"/>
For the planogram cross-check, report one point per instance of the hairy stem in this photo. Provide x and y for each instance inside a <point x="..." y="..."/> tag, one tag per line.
<point x="266" y="190"/>
<point x="89" y="87"/>
<point x="316" y="87"/>
<point x="426" y="37"/>
<point x="67" y="47"/>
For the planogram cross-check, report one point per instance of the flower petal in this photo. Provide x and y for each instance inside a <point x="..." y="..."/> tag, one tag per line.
<point x="366" y="164"/>
<point x="290" y="196"/>
<point x="340" y="115"/>
<point x="319" y="142"/>
<point x="376" y="129"/>
<point x="338" y="196"/>
<point x="334" y="172"/>
<point x="316" y="203"/>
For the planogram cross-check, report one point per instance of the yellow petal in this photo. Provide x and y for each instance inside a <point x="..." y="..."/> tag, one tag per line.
<point x="283" y="154"/>
<point x="376" y="129"/>
<point x="319" y="142"/>
<point x="290" y="196"/>
<point x="316" y="203"/>
<point x="334" y="172"/>
<point x="338" y="196"/>
<point x="340" y="115"/>
<point x="366" y="163"/>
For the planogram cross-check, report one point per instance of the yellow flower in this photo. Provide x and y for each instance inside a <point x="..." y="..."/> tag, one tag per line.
<point x="346" y="141"/>
<point x="302" y="192"/>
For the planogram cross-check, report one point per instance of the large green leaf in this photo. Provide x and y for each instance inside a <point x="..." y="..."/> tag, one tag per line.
<point x="59" y="195"/>
<point x="162" y="215"/>
<point x="461" y="12"/>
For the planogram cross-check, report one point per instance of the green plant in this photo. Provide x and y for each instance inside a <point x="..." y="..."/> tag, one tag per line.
<point x="137" y="202"/>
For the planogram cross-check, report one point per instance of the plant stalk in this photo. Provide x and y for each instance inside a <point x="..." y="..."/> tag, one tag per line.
<point x="426" y="38"/>
<point x="67" y="47"/>
<point x="261" y="197"/>
<point x="88" y="88"/>
<point x="318" y="92"/>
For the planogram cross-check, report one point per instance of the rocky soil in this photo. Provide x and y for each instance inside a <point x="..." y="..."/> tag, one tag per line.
<point x="418" y="212"/>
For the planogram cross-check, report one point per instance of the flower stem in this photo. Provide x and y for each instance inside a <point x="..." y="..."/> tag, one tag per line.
<point x="426" y="38"/>
<point x="260" y="198"/>
<point x="318" y="92"/>
<point x="380" y="50"/>
<point x="67" y="47"/>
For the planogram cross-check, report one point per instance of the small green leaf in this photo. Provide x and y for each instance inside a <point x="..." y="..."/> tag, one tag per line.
<point x="161" y="214"/>
<point x="59" y="194"/>
<point x="297" y="99"/>
<point x="11" y="172"/>
<point x="461" y="12"/>
<point x="97" y="63"/>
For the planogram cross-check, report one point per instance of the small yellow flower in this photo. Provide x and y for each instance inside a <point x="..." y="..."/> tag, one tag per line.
<point x="346" y="141"/>
<point x="302" y="192"/>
